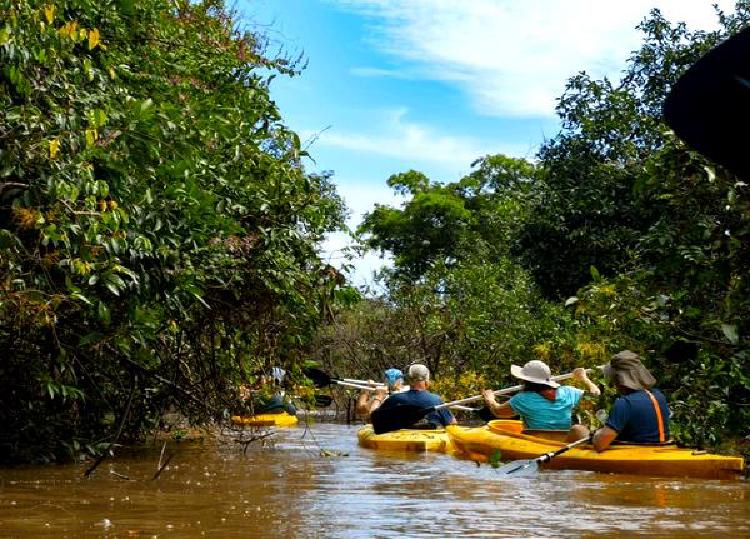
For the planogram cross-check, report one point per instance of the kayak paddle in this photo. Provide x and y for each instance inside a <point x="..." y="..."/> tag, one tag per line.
<point x="323" y="379"/>
<point x="530" y="467"/>
<point x="403" y="416"/>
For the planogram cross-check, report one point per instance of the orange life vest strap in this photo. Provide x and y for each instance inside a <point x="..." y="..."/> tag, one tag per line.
<point x="659" y="418"/>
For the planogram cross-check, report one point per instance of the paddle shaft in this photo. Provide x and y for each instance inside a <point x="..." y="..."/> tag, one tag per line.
<point x="510" y="390"/>
<point x="356" y="386"/>
<point x="526" y="465"/>
<point x="367" y="387"/>
<point x="552" y="454"/>
<point x="362" y="382"/>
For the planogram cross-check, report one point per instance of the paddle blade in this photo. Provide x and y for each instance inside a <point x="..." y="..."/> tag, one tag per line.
<point x="519" y="467"/>
<point x="401" y="416"/>
<point x="323" y="401"/>
<point x="318" y="377"/>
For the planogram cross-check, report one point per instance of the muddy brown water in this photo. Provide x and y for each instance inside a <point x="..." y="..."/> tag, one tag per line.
<point x="290" y="490"/>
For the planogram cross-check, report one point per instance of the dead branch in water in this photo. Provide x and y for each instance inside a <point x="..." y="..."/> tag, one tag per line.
<point x="164" y="465"/>
<point x="247" y="442"/>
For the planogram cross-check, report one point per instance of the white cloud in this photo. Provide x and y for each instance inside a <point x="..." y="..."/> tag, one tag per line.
<point x="396" y="138"/>
<point x="360" y="198"/>
<point x="379" y="72"/>
<point x="514" y="56"/>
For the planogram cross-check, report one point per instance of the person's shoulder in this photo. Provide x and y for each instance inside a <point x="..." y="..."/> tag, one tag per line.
<point x="570" y="390"/>
<point x="569" y="394"/>
<point x="522" y="396"/>
<point x="398" y="397"/>
<point x="434" y="397"/>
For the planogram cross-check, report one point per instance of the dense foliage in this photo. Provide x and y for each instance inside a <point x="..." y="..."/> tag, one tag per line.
<point x="157" y="229"/>
<point x="618" y="236"/>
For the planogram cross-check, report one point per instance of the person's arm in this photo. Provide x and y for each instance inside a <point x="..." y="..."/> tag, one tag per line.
<point x="603" y="438"/>
<point x="503" y="411"/>
<point x="591" y="387"/>
<point x="363" y="403"/>
<point x="616" y="422"/>
<point x="378" y="399"/>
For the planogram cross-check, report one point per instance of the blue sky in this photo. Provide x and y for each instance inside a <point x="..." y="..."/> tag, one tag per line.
<point x="434" y="84"/>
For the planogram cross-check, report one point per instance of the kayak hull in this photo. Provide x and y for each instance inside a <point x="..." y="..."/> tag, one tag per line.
<point x="406" y="440"/>
<point x="414" y="440"/>
<point x="655" y="460"/>
<point x="265" y="420"/>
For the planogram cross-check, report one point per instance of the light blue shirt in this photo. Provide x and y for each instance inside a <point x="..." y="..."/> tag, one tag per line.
<point x="539" y="413"/>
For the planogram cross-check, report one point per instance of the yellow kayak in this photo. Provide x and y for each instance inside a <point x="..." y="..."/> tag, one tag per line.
<point x="656" y="460"/>
<point x="265" y="420"/>
<point x="411" y="440"/>
<point x="414" y="440"/>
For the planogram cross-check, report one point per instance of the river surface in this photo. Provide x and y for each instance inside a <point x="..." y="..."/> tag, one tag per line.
<point x="288" y="489"/>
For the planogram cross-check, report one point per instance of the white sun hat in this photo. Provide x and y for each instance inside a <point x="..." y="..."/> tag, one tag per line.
<point x="534" y="371"/>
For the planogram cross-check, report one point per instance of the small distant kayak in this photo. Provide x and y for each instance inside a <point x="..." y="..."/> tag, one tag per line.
<point x="412" y="440"/>
<point x="265" y="420"/>
<point x="655" y="460"/>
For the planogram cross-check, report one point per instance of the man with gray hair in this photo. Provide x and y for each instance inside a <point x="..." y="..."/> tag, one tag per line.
<point x="418" y="396"/>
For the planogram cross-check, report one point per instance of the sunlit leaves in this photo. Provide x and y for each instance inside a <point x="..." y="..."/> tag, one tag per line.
<point x="54" y="147"/>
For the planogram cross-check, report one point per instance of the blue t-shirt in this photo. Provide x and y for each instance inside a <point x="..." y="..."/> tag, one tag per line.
<point x="423" y="399"/>
<point x="634" y="418"/>
<point x="539" y="413"/>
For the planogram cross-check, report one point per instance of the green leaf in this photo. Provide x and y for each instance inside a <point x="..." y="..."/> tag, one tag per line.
<point x="103" y="312"/>
<point x="730" y="332"/>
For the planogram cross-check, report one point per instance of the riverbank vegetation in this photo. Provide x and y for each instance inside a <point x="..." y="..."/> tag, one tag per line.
<point x="158" y="236"/>
<point x="158" y="231"/>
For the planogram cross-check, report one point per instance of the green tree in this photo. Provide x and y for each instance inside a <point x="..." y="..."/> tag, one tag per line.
<point x="157" y="228"/>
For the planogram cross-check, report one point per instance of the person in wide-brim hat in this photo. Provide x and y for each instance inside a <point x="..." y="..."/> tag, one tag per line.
<point x="543" y="404"/>
<point x="640" y="414"/>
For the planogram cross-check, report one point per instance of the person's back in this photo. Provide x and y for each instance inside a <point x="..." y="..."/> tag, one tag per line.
<point x="422" y="399"/>
<point x="541" y="413"/>
<point x="635" y="417"/>
<point x="417" y="397"/>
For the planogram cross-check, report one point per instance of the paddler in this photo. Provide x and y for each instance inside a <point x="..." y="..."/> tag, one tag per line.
<point x="418" y="396"/>
<point x="369" y="401"/>
<point x="257" y="400"/>
<point x="543" y="404"/>
<point x="640" y="414"/>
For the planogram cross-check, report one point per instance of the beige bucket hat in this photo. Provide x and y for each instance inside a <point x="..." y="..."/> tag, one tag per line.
<point x="534" y="371"/>
<point x="625" y="369"/>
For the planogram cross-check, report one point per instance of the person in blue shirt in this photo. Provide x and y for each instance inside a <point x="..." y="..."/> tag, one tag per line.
<point x="640" y="414"/>
<point x="418" y="395"/>
<point x="543" y="404"/>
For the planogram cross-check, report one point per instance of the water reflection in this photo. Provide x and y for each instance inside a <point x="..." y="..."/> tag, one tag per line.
<point x="291" y="491"/>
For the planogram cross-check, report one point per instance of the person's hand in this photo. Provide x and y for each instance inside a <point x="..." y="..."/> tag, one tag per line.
<point x="371" y="383"/>
<point x="489" y="397"/>
<point x="579" y="374"/>
<point x="381" y="394"/>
